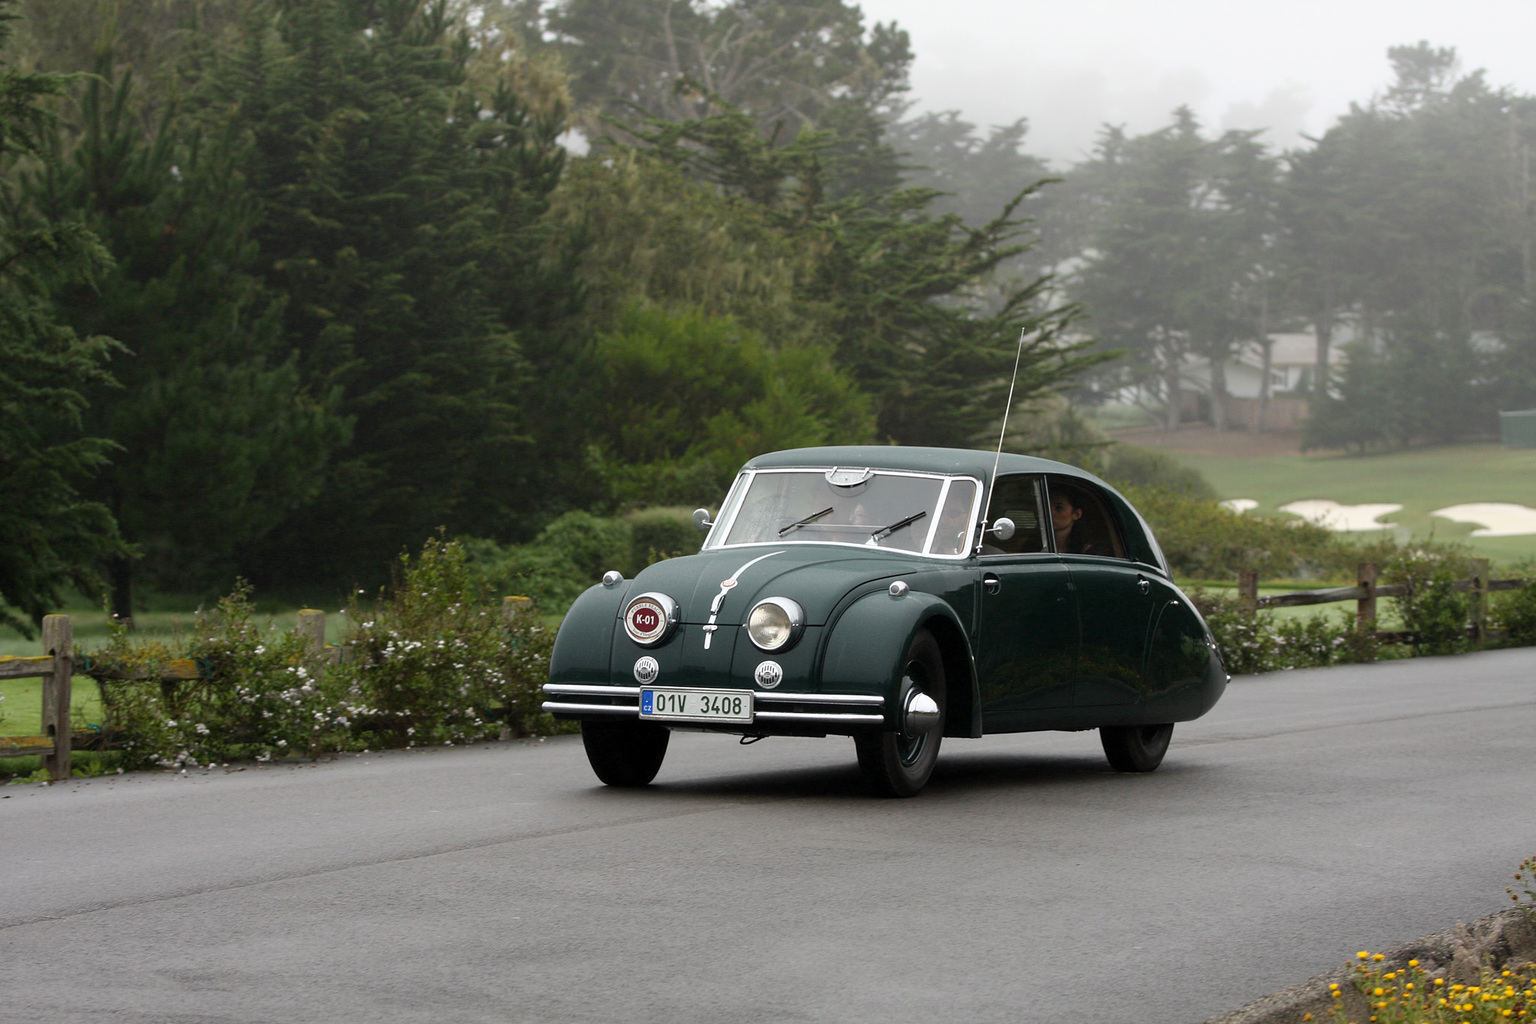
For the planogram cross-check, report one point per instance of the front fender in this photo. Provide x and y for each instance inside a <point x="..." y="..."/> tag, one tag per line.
<point x="584" y="645"/>
<point x="867" y="643"/>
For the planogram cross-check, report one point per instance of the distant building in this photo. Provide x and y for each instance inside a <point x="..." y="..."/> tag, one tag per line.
<point x="1292" y="370"/>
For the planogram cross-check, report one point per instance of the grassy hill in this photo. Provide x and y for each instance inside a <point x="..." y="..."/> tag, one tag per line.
<point x="1420" y="480"/>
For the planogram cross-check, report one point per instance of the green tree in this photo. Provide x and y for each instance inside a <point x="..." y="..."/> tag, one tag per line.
<point x="887" y="287"/>
<point x="790" y="64"/>
<point x="54" y="538"/>
<point x="1426" y="206"/>
<point x="1177" y="264"/>
<point x="218" y="440"/>
<point x="685" y="398"/>
<point x="399" y="211"/>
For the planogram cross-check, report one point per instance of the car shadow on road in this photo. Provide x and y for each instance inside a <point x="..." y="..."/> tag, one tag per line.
<point x="959" y="773"/>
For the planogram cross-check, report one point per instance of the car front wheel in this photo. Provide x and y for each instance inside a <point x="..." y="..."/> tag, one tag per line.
<point x="1135" y="748"/>
<point x="896" y="763"/>
<point x="625" y="753"/>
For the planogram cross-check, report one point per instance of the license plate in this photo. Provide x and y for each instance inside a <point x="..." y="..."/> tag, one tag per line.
<point x="696" y="705"/>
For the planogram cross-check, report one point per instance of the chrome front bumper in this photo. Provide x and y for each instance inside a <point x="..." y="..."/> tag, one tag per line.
<point x="819" y="709"/>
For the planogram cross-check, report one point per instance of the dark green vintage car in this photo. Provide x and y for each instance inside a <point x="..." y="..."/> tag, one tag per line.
<point x="898" y="596"/>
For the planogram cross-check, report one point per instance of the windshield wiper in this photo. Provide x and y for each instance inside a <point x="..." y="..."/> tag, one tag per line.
<point x="885" y="532"/>
<point x="806" y="521"/>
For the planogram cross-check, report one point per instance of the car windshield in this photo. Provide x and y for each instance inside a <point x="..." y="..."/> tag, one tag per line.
<point x="841" y="505"/>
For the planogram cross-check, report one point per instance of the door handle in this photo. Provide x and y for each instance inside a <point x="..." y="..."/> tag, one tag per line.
<point x="992" y="583"/>
<point x="1143" y="584"/>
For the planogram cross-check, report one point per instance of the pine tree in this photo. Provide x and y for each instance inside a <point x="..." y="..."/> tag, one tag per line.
<point x="53" y="538"/>
<point x="218" y="440"/>
<point x="399" y="214"/>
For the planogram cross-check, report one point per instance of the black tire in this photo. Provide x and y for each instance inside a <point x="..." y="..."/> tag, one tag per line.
<point x="624" y="752"/>
<point x="895" y="764"/>
<point x="1135" y="748"/>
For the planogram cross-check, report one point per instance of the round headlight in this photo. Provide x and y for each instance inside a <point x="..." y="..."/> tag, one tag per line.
<point x="775" y="623"/>
<point x="650" y="618"/>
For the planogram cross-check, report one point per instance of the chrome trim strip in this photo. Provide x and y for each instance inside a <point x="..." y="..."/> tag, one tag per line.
<point x="814" y="716"/>
<point x="858" y="699"/>
<point x="592" y="689"/>
<point x="557" y="708"/>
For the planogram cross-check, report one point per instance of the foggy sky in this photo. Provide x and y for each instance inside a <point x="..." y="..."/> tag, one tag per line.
<point x="1071" y="65"/>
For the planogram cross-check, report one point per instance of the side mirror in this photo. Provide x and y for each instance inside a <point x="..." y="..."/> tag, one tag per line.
<point x="701" y="519"/>
<point x="1002" y="529"/>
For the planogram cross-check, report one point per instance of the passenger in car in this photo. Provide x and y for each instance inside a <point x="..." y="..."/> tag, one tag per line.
<point x="1066" y="510"/>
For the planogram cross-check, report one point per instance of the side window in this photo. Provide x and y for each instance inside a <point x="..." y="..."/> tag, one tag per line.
<point x="1017" y="498"/>
<point x="1081" y="520"/>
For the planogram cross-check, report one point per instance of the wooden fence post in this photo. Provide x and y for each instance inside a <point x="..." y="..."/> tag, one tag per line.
<point x="59" y="641"/>
<point x="512" y="607"/>
<point x="1365" y="610"/>
<point x="1248" y="590"/>
<point x="1479" y="610"/>
<point x="312" y="627"/>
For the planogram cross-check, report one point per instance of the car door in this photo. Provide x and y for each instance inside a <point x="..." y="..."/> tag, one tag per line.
<point x="1026" y="640"/>
<point x="1116" y="597"/>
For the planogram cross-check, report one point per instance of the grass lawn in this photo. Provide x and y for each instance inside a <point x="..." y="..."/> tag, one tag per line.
<point x="1420" y="480"/>
<point x="21" y="714"/>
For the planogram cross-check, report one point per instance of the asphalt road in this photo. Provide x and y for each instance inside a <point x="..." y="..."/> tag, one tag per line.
<point x="1310" y="815"/>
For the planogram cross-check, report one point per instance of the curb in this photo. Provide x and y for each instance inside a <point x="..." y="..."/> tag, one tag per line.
<point x="1457" y="954"/>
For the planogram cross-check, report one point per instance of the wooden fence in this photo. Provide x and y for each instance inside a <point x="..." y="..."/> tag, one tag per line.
<point x="58" y="664"/>
<point x="1366" y="591"/>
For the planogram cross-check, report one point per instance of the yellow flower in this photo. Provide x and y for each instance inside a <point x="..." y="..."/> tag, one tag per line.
<point x="1378" y="991"/>
<point x="1363" y="954"/>
<point x="1413" y="963"/>
<point x="1379" y="957"/>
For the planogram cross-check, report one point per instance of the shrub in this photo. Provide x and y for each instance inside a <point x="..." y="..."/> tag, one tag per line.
<point x="1202" y="540"/>
<point x="660" y="533"/>
<point x="259" y="695"/>
<point x="573" y="552"/>
<point x="1129" y="465"/>
<point x="1432" y="610"/>
<point x="433" y="661"/>
<point x="1515" y="610"/>
<point x="1256" y="640"/>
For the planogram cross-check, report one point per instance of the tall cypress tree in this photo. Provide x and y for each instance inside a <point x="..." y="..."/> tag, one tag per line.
<point x="53" y="537"/>
<point x="399" y="213"/>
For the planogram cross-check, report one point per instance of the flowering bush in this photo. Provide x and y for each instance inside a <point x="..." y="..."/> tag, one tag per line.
<point x="1412" y="996"/>
<point x="258" y="694"/>
<point x="432" y="662"/>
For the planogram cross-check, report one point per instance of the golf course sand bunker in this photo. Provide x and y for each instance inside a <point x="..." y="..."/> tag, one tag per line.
<point x="1330" y="515"/>
<point x="1239" y="505"/>
<point x="1497" y="519"/>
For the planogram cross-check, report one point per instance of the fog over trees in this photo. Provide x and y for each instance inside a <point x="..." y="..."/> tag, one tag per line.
<point x="292" y="283"/>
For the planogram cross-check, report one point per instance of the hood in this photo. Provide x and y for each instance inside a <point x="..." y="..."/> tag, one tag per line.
<point x="815" y="575"/>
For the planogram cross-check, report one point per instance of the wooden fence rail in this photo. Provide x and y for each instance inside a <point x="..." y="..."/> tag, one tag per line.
<point x="1366" y="591"/>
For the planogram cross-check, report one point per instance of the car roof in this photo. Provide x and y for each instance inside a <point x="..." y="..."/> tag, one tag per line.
<point x="924" y="460"/>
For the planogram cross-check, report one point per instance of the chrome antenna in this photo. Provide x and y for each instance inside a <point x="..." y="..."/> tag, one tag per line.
<point x="1018" y="355"/>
